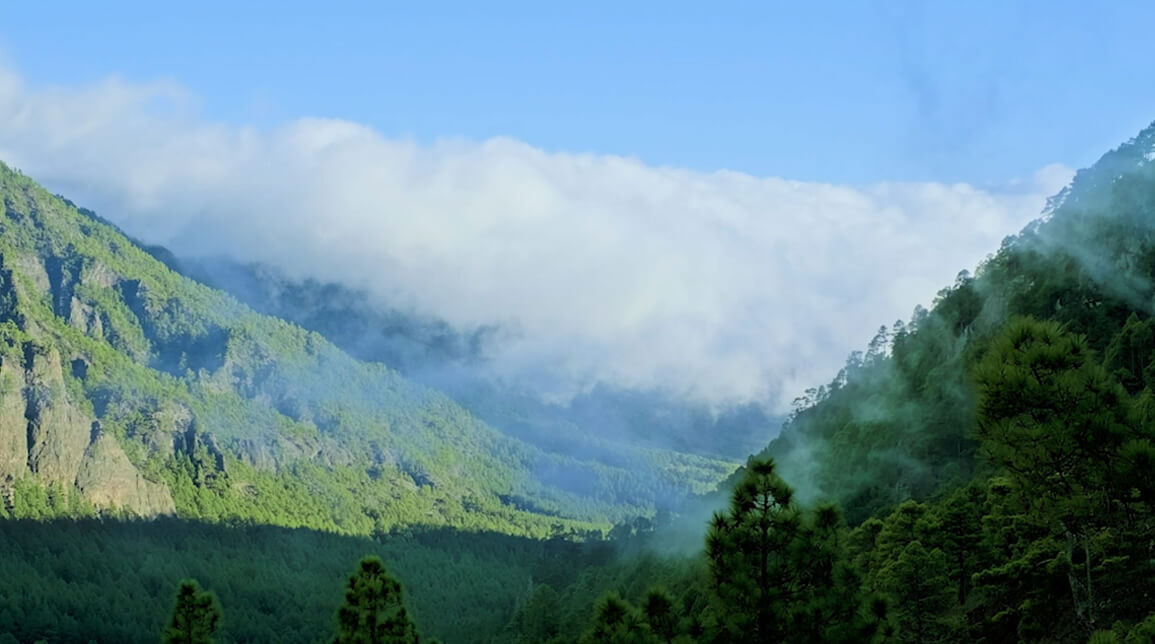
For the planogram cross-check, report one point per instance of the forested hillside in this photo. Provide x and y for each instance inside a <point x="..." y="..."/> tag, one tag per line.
<point x="62" y="579"/>
<point x="983" y="472"/>
<point x="129" y="388"/>
<point x="899" y="420"/>
<point x="602" y="423"/>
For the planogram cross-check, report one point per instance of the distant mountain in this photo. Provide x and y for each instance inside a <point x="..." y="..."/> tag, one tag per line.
<point x="126" y="387"/>
<point x="455" y="361"/>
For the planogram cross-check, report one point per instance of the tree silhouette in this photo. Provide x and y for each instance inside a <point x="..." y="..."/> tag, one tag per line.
<point x="373" y="612"/>
<point x="658" y="610"/>
<point x="780" y="576"/>
<point x="616" y="622"/>
<point x="195" y="616"/>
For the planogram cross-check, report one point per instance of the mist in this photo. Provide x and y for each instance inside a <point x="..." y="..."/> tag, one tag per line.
<point x="720" y="286"/>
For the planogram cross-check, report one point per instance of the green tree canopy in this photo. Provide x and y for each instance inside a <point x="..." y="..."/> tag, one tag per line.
<point x="779" y="575"/>
<point x="373" y="612"/>
<point x="616" y="622"/>
<point x="195" y="616"/>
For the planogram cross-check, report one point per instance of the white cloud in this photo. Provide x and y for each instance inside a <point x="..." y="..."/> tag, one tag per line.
<point x="719" y="284"/>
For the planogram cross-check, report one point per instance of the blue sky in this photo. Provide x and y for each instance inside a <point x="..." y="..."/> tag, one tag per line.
<point x="851" y="92"/>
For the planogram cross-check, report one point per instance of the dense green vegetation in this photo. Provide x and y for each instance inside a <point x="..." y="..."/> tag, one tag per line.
<point x="899" y="421"/>
<point x="1050" y="541"/>
<point x="64" y="579"/>
<point x="196" y="615"/>
<point x="603" y="423"/>
<point x="994" y="457"/>
<point x="374" y="611"/>
<point x="235" y="416"/>
<point x="983" y="472"/>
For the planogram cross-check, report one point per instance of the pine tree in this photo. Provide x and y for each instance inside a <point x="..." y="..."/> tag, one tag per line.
<point x="917" y="581"/>
<point x="779" y="576"/>
<point x="195" y="616"/>
<point x="1128" y="357"/>
<point x="373" y="612"/>
<point x="1056" y="421"/>
<point x="658" y="610"/>
<point x="616" y="622"/>
<point x="959" y="530"/>
<point x="537" y="621"/>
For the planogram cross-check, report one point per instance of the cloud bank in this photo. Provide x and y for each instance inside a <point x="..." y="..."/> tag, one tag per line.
<point x="719" y="285"/>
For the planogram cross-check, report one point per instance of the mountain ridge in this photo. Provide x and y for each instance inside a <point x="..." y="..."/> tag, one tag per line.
<point x="456" y="361"/>
<point x="224" y="406"/>
<point x="908" y="401"/>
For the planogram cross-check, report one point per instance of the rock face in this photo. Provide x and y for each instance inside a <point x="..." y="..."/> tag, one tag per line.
<point x="13" y="424"/>
<point x="107" y="478"/>
<point x="57" y="431"/>
<point x="44" y="432"/>
<point x="85" y="318"/>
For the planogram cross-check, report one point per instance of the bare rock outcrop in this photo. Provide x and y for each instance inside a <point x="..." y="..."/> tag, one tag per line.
<point x="44" y="432"/>
<point x="108" y="479"/>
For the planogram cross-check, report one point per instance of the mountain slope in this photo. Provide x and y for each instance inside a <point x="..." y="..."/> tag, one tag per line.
<point x="63" y="579"/>
<point x="148" y="392"/>
<point x="993" y="457"/>
<point x="601" y="423"/>
<point x="899" y="420"/>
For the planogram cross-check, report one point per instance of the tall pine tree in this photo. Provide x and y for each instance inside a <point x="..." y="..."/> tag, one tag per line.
<point x="195" y="616"/>
<point x="373" y="612"/>
<point x="781" y="576"/>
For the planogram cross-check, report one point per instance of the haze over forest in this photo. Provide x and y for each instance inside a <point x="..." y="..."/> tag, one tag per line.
<point x="587" y="268"/>
<point x="389" y="326"/>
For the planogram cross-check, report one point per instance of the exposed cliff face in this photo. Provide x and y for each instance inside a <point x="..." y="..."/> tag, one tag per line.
<point x="13" y="424"/>
<point x="107" y="478"/>
<point x="57" y="431"/>
<point x="46" y="433"/>
<point x="139" y="388"/>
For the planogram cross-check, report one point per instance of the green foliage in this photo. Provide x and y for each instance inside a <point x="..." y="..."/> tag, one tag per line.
<point x="1052" y="417"/>
<point x="61" y="579"/>
<point x="994" y="454"/>
<point x="616" y="622"/>
<point x="1057" y="422"/>
<point x="918" y="584"/>
<point x="1128" y="357"/>
<point x="956" y="527"/>
<point x="777" y="574"/>
<point x="373" y="612"/>
<point x="538" y="620"/>
<point x="755" y="553"/>
<point x="195" y="616"/>
<point x="249" y="418"/>
<point x="660" y="613"/>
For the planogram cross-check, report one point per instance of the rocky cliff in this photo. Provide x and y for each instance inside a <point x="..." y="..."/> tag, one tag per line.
<point x="48" y="434"/>
<point x="135" y="388"/>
